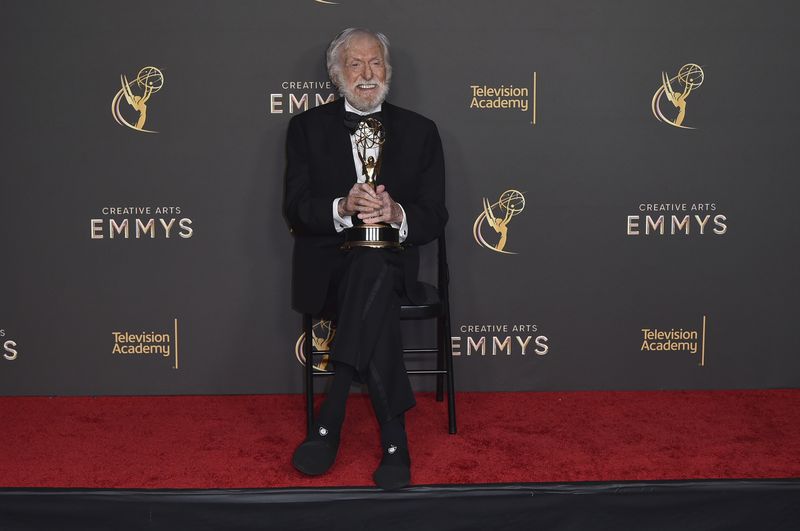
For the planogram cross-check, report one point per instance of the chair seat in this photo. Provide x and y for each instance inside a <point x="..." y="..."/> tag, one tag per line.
<point x="430" y="308"/>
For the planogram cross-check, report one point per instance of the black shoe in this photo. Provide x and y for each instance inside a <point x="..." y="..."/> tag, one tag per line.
<point x="394" y="472"/>
<point x="317" y="453"/>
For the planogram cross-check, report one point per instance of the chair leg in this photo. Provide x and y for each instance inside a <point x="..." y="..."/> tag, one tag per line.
<point x="309" y="373"/>
<point x="440" y="355"/>
<point x="451" y="388"/>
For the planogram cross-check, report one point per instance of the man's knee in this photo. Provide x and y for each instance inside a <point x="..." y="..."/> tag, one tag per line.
<point x="366" y="267"/>
<point x="367" y="259"/>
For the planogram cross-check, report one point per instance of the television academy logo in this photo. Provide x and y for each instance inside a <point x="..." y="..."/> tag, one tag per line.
<point x="10" y="347"/>
<point x="161" y="344"/>
<point x="138" y="222"/>
<point x="689" y="340"/>
<point x="499" y="98"/>
<point x="298" y="96"/>
<point x="677" y="219"/>
<point x="322" y="334"/>
<point x="497" y="216"/>
<point x="676" y="90"/>
<point x="136" y="94"/>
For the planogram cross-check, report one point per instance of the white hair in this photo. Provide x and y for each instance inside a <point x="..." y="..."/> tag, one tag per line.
<point x="340" y="42"/>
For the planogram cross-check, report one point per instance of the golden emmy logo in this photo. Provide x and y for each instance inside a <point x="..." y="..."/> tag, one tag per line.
<point x="321" y="336"/>
<point x="689" y="77"/>
<point x="498" y="215"/>
<point x="136" y="93"/>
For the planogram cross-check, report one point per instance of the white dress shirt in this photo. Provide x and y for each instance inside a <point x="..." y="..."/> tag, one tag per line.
<point x="345" y="222"/>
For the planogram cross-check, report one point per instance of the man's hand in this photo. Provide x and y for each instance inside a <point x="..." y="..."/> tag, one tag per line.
<point x="387" y="210"/>
<point x="360" y="198"/>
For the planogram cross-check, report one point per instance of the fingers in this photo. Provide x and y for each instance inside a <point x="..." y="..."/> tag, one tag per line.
<point x="382" y="215"/>
<point x="372" y="206"/>
<point x="383" y="196"/>
<point x="362" y="198"/>
<point x="364" y="187"/>
<point x="362" y="190"/>
<point x="365" y="203"/>
<point x="387" y="213"/>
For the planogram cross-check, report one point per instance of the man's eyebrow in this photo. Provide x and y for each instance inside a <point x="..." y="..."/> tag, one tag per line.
<point x="365" y="60"/>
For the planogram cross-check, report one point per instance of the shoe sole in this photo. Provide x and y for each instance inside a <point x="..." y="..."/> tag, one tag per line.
<point x="395" y="485"/>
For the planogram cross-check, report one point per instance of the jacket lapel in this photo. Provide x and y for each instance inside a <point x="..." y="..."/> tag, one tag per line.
<point x="386" y="174"/>
<point x="341" y="147"/>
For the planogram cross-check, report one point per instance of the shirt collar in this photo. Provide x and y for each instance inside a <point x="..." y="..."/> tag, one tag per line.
<point x="350" y="108"/>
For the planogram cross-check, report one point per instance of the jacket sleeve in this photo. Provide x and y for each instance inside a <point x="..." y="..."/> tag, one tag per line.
<point x="426" y="215"/>
<point x="306" y="213"/>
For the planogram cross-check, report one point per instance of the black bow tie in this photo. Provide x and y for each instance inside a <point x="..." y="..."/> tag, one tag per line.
<point x="351" y="119"/>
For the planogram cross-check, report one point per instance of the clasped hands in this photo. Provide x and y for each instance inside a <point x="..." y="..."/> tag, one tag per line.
<point x="372" y="206"/>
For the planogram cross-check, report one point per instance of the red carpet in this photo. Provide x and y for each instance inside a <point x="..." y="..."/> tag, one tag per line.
<point x="247" y="441"/>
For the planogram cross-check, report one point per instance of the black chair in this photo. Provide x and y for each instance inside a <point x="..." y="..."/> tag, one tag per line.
<point x="437" y="306"/>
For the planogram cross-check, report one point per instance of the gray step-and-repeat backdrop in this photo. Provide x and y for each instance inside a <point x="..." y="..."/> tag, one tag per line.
<point x="622" y="183"/>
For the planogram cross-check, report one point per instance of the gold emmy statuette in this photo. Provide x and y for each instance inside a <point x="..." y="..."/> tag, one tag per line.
<point x="371" y="135"/>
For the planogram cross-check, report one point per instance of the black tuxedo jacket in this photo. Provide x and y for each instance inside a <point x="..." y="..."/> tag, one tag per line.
<point x="320" y="168"/>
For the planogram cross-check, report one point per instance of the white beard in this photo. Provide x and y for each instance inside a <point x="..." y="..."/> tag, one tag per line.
<point x="361" y="103"/>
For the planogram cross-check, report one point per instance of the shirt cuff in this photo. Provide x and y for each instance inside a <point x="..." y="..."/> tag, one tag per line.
<point x="340" y="223"/>
<point x="403" y="226"/>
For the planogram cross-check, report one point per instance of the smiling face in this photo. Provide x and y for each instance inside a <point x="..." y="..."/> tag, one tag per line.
<point x="363" y="72"/>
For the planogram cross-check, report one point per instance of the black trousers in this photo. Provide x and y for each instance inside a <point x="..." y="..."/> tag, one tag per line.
<point x="364" y="299"/>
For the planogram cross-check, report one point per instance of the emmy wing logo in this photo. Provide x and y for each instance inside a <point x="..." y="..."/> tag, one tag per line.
<point x="497" y="216"/>
<point x="676" y="90"/>
<point x="321" y="336"/>
<point x="136" y="93"/>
